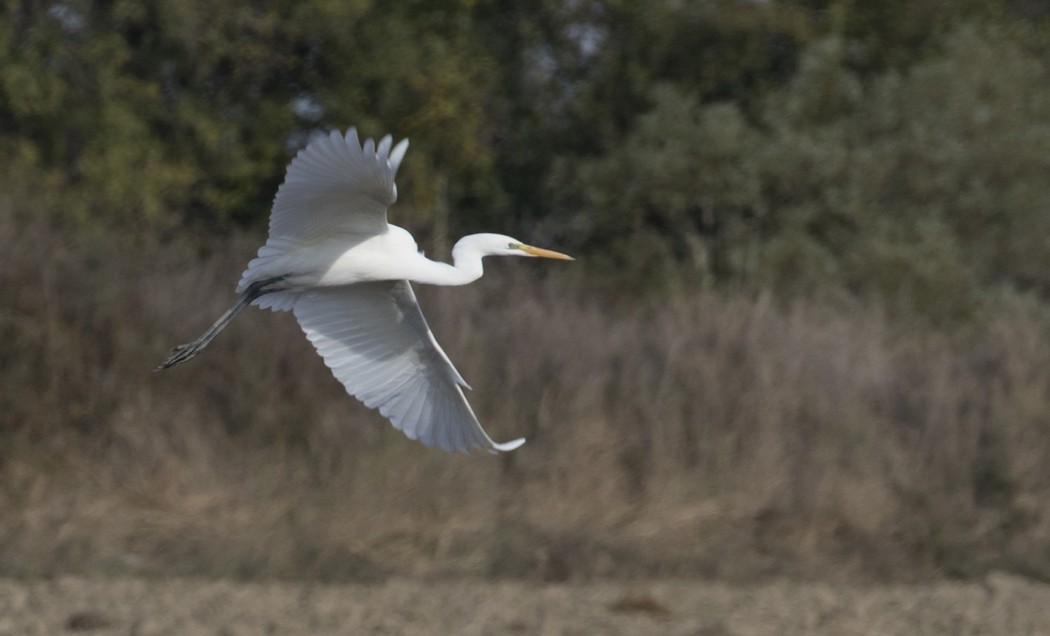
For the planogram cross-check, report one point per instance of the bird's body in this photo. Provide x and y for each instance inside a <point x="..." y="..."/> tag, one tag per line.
<point x="333" y="260"/>
<point x="329" y="262"/>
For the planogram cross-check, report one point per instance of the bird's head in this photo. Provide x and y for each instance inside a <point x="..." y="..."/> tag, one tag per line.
<point x="501" y="245"/>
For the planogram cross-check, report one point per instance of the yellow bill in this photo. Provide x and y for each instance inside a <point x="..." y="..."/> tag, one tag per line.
<point x="539" y="251"/>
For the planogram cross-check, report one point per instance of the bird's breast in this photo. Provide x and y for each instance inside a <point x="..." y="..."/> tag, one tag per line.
<point x="384" y="257"/>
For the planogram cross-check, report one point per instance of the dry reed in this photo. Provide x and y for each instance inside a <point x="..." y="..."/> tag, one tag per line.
<point x="733" y="436"/>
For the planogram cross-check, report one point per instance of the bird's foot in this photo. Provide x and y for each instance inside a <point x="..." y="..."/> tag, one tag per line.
<point x="180" y="354"/>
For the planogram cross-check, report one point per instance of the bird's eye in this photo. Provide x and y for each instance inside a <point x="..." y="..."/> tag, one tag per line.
<point x="513" y="246"/>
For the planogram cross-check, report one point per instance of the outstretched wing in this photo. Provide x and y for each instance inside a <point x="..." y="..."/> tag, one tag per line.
<point x="337" y="185"/>
<point x="377" y="343"/>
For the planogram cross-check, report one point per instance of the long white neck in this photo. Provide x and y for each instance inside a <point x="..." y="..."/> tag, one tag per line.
<point x="465" y="268"/>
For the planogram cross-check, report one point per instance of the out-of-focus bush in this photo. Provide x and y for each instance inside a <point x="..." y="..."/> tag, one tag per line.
<point x="925" y="186"/>
<point x="710" y="434"/>
<point x="789" y="145"/>
<point x="151" y="116"/>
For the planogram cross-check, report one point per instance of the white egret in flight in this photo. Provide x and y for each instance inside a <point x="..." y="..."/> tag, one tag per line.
<point x="333" y="260"/>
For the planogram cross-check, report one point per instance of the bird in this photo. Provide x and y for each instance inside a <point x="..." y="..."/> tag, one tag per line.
<point x="333" y="260"/>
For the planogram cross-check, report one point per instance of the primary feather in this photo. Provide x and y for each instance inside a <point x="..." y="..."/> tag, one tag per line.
<point x="335" y="185"/>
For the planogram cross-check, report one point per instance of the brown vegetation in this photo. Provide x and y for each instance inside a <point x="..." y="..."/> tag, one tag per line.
<point x="1000" y="605"/>
<point x="736" y="436"/>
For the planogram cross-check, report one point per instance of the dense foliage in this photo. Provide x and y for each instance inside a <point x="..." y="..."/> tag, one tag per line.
<point x="889" y="149"/>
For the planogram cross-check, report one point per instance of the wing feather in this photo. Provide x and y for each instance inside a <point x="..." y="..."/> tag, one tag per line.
<point x="377" y="343"/>
<point x="337" y="185"/>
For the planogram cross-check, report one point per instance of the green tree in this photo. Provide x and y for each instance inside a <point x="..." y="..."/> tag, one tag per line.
<point x="925" y="186"/>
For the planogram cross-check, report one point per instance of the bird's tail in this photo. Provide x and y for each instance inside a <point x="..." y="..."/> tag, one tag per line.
<point x="186" y="352"/>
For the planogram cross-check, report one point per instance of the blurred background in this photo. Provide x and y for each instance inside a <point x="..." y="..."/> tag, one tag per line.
<point x="807" y="334"/>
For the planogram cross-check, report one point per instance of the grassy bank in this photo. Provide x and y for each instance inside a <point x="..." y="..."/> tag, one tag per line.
<point x="733" y="436"/>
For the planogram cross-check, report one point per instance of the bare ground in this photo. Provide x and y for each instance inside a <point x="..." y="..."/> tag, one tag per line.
<point x="1000" y="604"/>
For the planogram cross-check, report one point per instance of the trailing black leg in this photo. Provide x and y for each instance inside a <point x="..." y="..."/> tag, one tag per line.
<point x="188" y="351"/>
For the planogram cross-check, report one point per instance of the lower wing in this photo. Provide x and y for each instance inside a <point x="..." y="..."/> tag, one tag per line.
<point x="377" y="343"/>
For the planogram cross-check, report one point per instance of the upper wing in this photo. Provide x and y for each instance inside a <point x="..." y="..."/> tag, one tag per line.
<point x="377" y="343"/>
<point x="336" y="185"/>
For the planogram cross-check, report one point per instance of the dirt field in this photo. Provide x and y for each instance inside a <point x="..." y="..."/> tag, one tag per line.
<point x="999" y="605"/>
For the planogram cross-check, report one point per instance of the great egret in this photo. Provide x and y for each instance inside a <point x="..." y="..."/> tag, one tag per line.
<point x="333" y="260"/>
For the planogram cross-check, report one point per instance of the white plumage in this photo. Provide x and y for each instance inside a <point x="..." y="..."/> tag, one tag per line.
<point x="334" y="261"/>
